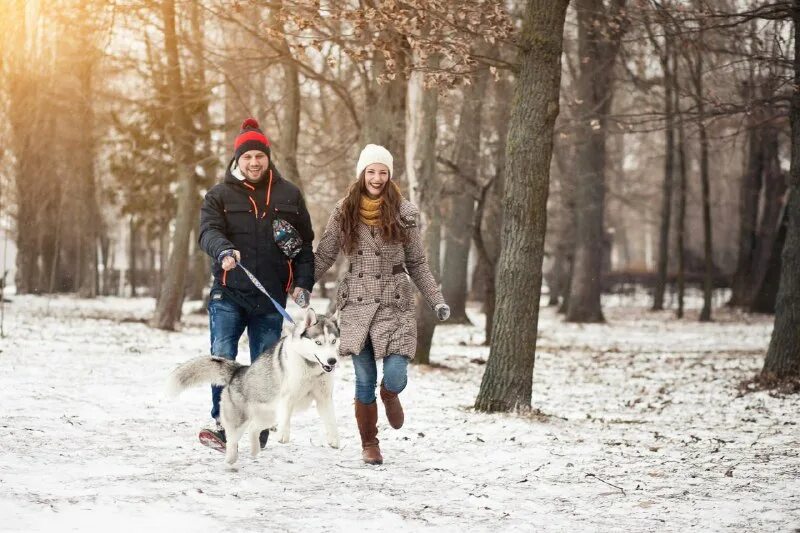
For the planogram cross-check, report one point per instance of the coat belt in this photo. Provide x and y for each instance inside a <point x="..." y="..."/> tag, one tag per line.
<point x="396" y="269"/>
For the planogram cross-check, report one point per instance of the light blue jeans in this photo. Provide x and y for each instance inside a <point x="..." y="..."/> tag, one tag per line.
<point x="395" y="373"/>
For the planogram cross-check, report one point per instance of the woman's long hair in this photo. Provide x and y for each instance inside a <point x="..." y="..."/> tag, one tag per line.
<point x="390" y="227"/>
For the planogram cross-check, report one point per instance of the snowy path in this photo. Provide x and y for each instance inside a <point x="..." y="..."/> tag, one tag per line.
<point x="645" y="403"/>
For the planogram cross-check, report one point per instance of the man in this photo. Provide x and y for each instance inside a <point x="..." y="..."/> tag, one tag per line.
<point x="236" y="225"/>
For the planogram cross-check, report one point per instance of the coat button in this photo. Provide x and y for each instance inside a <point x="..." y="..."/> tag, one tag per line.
<point x="378" y="252"/>
<point x="378" y="276"/>
<point x="359" y="298"/>
<point x="361" y="252"/>
<point x="377" y="300"/>
<point x="360" y="275"/>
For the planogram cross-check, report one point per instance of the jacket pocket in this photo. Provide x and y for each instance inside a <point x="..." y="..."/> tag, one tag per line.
<point x="403" y="293"/>
<point x="288" y="212"/>
<point x="286" y="209"/>
<point x="239" y="219"/>
<point x="342" y="293"/>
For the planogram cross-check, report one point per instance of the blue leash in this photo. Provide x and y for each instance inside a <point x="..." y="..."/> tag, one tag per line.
<point x="260" y="287"/>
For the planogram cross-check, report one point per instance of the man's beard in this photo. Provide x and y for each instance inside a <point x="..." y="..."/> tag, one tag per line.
<point x="257" y="179"/>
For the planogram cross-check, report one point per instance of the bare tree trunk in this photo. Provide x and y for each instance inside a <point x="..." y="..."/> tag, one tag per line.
<point x="485" y="256"/>
<point x="478" y="275"/>
<point x="681" y="237"/>
<point x="168" y="310"/>
<point x="508" y="379"/>
<point x="749" y="193"/>
<point x="765" y="296"/>
<point x="208" y="160"/>
<point x="456" y="255"/>
<point x="48" y="251"/>
<point x="89" y="212"/>
<point x="596" y="40"/>
<point x="133" y="251"/>
<point x="669" y="158"/>
<point x="200" y="276"/>
<point x="426" y="319"/>
<point x="24" y="98"/>
<point x="486" y="227"/>
<point x="458" y="226"/>
<point x="386" y="106"/>
<point x="107" y="260"/>
<point x="708" y="278"/>
<point x="493" y="220"/>
<point x="708" y="275"/>
<point x="159" y="270"/>
<point x="424" y="185"/>
<point x="561" y="274"/>
<point x="783" y="356"/>
<point x="762" y="292"/>
<point x="290" y="104"/>
<point x="51" y="288"/>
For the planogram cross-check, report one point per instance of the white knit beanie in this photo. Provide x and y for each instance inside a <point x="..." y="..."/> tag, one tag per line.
<point x="373" y="153"/>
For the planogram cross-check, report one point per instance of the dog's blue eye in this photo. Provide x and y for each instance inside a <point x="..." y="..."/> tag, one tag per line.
<point x="319" y="343"/>
<point x="333" y="341"/>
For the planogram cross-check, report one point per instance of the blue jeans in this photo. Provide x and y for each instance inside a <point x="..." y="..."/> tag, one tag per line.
<point x="227" y="321"/>
<point x="395" y="373"/>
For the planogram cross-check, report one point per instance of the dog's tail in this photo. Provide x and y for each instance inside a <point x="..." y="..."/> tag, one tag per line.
<point x="200" y="370"/>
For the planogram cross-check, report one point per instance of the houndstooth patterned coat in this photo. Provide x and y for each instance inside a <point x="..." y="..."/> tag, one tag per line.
<point x="375" y="297"/>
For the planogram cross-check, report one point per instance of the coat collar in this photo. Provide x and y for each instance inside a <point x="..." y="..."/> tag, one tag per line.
<point x="374" y="242"/>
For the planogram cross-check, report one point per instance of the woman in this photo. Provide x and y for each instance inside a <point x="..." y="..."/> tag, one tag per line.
<point x="377" y="229"/>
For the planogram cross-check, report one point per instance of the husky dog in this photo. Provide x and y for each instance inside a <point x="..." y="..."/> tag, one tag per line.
<point x="297" y="370"/>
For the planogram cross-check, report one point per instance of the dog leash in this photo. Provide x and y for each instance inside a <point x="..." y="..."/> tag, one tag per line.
<point x="260" y="287"/>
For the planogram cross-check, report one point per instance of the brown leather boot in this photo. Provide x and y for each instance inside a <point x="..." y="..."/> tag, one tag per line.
<point x="394" y="411"/>
<point x="367" y="419"/>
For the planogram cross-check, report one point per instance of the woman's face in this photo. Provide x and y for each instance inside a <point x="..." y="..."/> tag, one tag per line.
<point x="376" y="176"/>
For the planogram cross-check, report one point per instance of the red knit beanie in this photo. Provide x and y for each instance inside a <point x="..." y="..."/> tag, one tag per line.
<point x="250" y="138"/>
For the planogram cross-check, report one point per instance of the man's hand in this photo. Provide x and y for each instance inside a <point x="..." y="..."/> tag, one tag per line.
<point x="231" y="257"/>
<point x="301" y="297"/>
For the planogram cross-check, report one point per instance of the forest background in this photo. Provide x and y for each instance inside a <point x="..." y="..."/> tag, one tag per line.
<point x="603" y="146"/>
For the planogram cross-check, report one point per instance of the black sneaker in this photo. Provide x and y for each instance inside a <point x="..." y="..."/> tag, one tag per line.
<point x="262" y="438"/>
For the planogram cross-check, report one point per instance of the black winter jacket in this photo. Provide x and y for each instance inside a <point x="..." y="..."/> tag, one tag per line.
<point x="235" y="215"/>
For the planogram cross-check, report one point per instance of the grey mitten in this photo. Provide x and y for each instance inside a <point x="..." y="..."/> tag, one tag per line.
<point x="442" y="312"/>
<point x="303" y="298"/>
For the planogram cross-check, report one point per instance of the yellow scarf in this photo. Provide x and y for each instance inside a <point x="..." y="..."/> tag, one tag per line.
<point x="370" y="210"/>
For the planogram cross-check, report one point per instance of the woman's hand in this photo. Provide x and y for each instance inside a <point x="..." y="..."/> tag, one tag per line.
<point x="301" y="297"/>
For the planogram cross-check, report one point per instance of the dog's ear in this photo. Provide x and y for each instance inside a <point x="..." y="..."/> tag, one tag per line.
<point x="307" y="319"/>
<point x="310" y="318"/>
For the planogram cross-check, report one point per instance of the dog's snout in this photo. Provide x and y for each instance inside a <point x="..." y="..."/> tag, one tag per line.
<point x="332" y="361"/>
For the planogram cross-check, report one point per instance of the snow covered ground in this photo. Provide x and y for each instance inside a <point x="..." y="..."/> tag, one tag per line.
<point x="641" y="429"/>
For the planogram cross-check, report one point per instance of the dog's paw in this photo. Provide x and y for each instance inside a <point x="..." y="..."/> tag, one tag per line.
<point x="334" y="442"/>
<point x="283" y="437"/>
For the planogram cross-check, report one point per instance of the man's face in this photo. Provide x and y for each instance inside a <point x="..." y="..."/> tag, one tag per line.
<point x="253" y="164"/>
